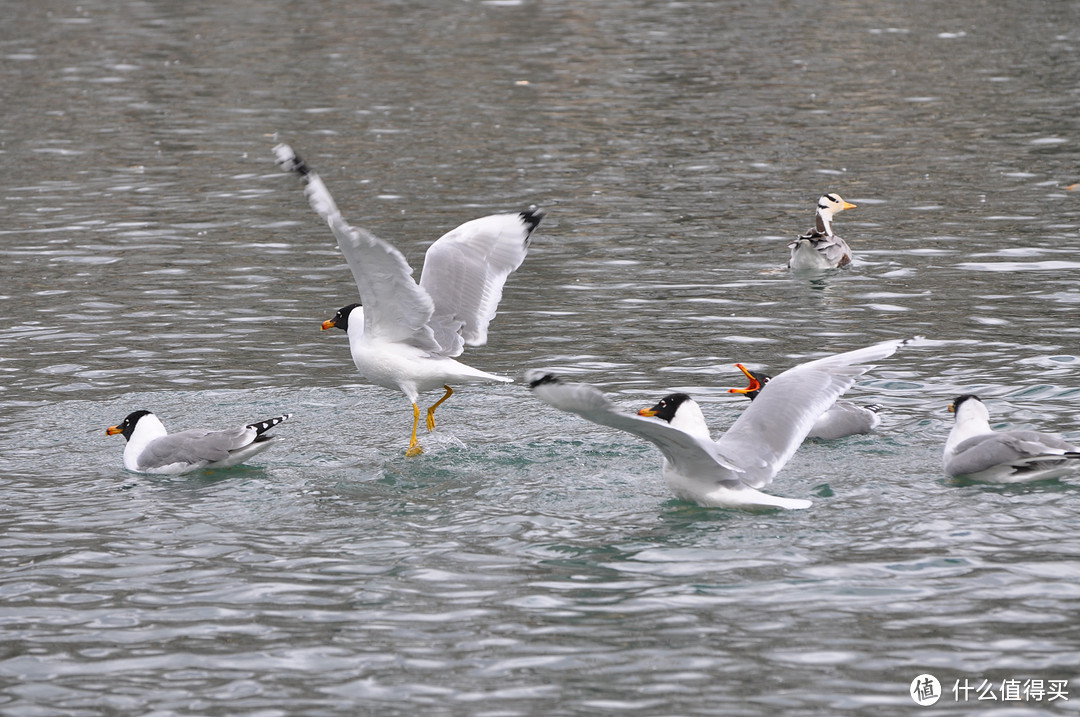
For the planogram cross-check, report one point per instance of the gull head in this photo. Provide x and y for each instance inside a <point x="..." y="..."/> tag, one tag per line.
<point x="340" y="320"/>
<point x="969" y="407"/>
<point x="127" y="427"/>
<point x="681" y="412"/>
<point x="757" y="382"/>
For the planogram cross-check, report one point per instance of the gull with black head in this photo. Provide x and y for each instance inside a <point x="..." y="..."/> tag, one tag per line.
<point x="403" y="334"/>
<point x="975" y="451"/>
<point x="152" y="449"/>
<point x="843" y="418"/>
<point x="730" y="471"/>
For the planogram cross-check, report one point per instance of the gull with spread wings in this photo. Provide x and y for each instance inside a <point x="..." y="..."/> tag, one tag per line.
<point x="730" y="471"/>
<point x="405" y="335"/>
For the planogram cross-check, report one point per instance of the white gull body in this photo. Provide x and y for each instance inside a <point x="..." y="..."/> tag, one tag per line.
<point x="975" y="451"/>
<point x="152" y="449"/>
<point x="730" y="471"/>
<point x="405" y="335"/>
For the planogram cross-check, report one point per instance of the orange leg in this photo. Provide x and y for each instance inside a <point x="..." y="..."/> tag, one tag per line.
<point x="431" y="411"/>
<point x="414" y="447"/>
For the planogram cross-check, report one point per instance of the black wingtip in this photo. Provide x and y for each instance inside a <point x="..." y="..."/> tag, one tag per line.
<point x="532" y="217"/>
<point x="290" y="161"/>
<point x="543" y="380"/>
<point x="262" y="427"/>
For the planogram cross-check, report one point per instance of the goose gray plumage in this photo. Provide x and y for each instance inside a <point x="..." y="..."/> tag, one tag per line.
<point x="820" y="248"/>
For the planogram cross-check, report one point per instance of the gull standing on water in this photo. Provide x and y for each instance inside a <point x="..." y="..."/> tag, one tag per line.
<point x="152" y="449"/>
<point x="819" y="248"/>
<point x="843" y="418"/>
<point x="730" y="471"/>
<point x="404" y="335"/>
<point x="975" y="451"/>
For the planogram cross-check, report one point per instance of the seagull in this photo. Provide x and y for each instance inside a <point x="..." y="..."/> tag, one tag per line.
<point x="404" y="335"/>
<point x="842" y="419"/>
<point x="151" y="449"/>
<point x="819" y="248"/>
<point x="730" y="471"/>
<point x="977" y="452"/>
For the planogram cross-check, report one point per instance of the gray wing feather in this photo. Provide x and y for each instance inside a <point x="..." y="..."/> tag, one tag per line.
<point x="1016" y="448"/>
<point x="833" y="248"/>
<point x="195" y="446"/>
<point x="685" y="452"/>
<point x="464" y="273"/>
<point x="395" y="307"/>
<point x="836" y="251"/>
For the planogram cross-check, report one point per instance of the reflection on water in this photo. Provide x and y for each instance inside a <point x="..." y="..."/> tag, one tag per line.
<point x="154" y="257"/>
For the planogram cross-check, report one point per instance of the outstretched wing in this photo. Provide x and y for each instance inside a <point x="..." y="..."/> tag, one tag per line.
<point x="769" y="431"/>
<point x="464" y="273"/>
<point x="686" y="453"/>
<point x="395" y="307"/>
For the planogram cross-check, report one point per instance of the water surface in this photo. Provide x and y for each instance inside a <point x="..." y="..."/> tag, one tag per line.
<point x="530" y="563"/>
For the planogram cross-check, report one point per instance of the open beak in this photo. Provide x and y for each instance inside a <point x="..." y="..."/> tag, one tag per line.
<point x="328" y="324"/>
<point x="113" y="430"/>
<point x="755" y="385"/>
<point x="849" y="205"/>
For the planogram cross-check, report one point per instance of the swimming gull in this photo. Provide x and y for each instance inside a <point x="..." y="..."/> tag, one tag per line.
<point x="975" y="451"/>
<point x="152" y="449"/>
<point x="729" y="471"/>
<point x="842" y="419"/>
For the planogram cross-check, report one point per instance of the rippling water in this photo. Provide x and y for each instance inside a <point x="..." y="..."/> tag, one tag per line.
<point x="530" y="563"/>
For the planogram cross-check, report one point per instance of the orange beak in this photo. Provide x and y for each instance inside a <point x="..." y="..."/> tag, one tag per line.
<point x="755" y="385"/>
<point x="113" y="430"/>
<point x="647" y="412"/>
<point x="849" y="205"/>
<point x="328" y="324"/>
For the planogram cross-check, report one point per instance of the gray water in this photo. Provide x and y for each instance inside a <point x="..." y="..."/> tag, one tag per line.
<point x="529" y="563"/>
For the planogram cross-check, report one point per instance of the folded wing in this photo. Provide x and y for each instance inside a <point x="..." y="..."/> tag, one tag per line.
<point x="195" y="446"/>
<point x="1020" y="450"/>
